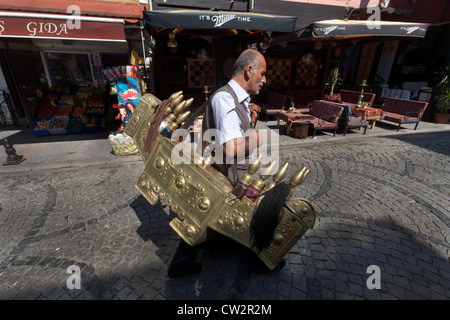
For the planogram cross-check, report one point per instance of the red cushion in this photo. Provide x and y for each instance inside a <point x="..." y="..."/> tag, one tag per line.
<point x="334" y="97"/>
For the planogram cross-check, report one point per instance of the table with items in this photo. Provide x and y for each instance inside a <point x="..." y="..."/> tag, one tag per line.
<point x="290" y="115"/>
<point x="298" y="120"/>
<point x="368" y="113"/>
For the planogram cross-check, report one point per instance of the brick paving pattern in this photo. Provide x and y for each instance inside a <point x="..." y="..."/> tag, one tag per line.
<point x="383" y="201"/>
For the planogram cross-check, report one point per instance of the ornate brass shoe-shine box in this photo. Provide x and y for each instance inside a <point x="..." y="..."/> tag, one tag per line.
<point x="201" y="196"/>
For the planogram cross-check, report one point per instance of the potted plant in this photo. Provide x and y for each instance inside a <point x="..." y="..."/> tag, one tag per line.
<point x="442" y="113"/>
<point x="334" y="79"/>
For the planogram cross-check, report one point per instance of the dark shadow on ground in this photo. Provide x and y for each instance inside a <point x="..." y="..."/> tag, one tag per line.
<point x="410" y="269"/>
<point x="154" y="222"/>
<point x="25" y="136"/>
<point x="330" y="264"/>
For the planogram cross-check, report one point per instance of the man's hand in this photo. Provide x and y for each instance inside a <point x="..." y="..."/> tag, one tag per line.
<point x="244" y="145"/>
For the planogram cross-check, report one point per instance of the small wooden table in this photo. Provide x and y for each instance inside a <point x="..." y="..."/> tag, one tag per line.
<point x="282" y="115"/>
<point x="288" y="117"/>
<point x="369" y="114"/>
<point x="300" y="129"/>
<point x="300" y="126"/>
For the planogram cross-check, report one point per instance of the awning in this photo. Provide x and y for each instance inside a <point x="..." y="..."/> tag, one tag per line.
<point x="55" y="26"/>
<point x="110" y="9"/>
<point x="356" y="28"/>
<point x="336" y="28"/>
<point x="198" y="19"/>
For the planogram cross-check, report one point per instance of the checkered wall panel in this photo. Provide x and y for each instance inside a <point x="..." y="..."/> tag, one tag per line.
<point x="201" y="73"/>
<point x="278" y="70"/>
<point x="306" y="74"/>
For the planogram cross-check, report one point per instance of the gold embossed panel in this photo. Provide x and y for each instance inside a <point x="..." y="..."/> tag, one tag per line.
<point x="144" y="185"/>
<point x="139" y="122"/>
<point x="193" y="192"/>
<point x="296" y="218"/>
<point x="146" y="106"/>
<point x="234" y="217"/>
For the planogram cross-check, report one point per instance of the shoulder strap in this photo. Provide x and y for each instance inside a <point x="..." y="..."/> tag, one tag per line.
<point x="239" y="110"/>
<point x="246" y="124"/>
<point x="194" y="116"/>
<point x="242" y="114"/>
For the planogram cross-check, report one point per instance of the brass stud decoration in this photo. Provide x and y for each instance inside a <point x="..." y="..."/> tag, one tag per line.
<point x="204" y="203"/>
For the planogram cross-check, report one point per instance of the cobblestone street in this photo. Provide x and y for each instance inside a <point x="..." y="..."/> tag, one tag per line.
<point x="382" y="201"/>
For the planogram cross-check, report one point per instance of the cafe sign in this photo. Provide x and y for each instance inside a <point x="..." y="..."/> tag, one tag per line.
<point x="201" y="19"/>
<point x="32" y="27"/>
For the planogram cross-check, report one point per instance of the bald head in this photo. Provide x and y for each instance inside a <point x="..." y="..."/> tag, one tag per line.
<point x="246" y="58"/>
<point x="249" y="71"/>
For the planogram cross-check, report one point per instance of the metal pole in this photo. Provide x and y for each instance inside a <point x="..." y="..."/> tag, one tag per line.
<point x="143" y="53"/>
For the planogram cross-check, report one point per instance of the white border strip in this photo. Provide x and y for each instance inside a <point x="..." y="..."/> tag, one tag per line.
<point x="59" y="38"/>
<point x="58" y="16"/>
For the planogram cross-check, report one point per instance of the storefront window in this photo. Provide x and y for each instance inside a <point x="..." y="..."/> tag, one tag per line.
<point x="115" y="59"/>
<point x="69" y="69"/>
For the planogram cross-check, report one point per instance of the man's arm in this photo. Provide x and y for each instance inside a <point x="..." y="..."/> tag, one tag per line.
<point x="244" y="145"/>
<point x="230" y="135"/>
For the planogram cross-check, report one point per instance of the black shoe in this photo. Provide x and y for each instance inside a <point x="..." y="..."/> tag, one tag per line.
<point x="194" y="269"/>
<point x="259" y="267"/>
<point x="280" y="266"/>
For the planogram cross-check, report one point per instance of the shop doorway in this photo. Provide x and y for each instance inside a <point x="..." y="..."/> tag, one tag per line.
<point x="6" y="116"/>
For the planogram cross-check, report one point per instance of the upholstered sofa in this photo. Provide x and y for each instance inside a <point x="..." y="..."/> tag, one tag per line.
<point x="353" y="97"/>
<point x="273" y="103"/>
<point x="302" y="98"/>
<point x="325" y="115"/>
<point x="403" y="111"/>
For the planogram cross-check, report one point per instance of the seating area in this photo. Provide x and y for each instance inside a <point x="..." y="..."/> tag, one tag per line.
<point x="350" y="121"/>
<point x="348" y="96"/>
<point x="325" y="116"/>
<point x="403" y="111"/>
<point x="341" y="112"/>
<point x="353" y="97"/>
<point x="302" y="98"/>
<point x="273" y="103"/>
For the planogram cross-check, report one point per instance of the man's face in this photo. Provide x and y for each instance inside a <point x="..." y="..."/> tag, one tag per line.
<point x="257" y="77"/>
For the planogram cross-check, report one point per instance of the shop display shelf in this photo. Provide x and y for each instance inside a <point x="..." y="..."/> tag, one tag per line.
<point x="79" y="110"/>
<point x="62" y="103"/>
<point x="91" y="128"/>
<point x="64" y="110"/>
<point x="97" y="109"/>
<point x="79" y="130"/>
<point x="42" y="132"/>
<point x="60" y="130"/>
<point x="92" y="118"/>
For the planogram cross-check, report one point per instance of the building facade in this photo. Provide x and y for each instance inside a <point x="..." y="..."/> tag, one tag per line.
<point x="62" y="44"/>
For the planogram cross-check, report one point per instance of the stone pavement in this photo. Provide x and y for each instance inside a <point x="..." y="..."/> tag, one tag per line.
<point x="381" y="200"/>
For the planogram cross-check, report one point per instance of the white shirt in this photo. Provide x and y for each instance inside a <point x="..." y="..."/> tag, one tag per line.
<point x="225" y="116"/>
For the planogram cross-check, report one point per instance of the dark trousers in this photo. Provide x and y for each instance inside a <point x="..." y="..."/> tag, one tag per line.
<point x="183" y="259"/>
<point x="185" y="255"/>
